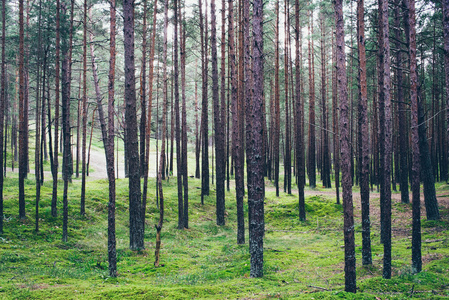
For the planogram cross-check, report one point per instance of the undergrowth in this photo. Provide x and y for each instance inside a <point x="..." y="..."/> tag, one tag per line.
<point x="301" y="259"/>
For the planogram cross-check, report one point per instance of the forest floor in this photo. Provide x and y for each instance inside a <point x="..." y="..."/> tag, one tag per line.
<point x="302" y="260"/>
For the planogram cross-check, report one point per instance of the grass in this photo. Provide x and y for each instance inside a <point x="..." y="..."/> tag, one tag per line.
<point x="302" y="260"/>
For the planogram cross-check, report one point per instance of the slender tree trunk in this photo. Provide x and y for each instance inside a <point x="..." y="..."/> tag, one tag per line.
<point x="37" y="122"/>
<point x="143" y="103"/>
<point x="300" y="161"/>
<point x="350" y="274"/>
<point x="56" y="119"/>
<point x="235" y="125"/>
<point x="363" y="137"/>
<point x="204" y="112"/>
<point x="277" y="117"/>
<point x="162" y="157"/>
<point x="219" y="124"/>
<point x="179" y="172"/>
<point x="22" y="129"/>
<point x="185" y="182"/>
<point x="197" y="133"/>
<point x="131" y="141"/>
<point x="446" y="62"/>
<point x="386" y="137"/>
<point x="335" y="124"/>
<point x="288" y="151"/>
<point x="325" y="174"/>
<point x="148" y="118"/>
<point x="416" y="214"/>
<point x="112" y="254"/>
<point x="84" y="114"/>
<point x="311" y="153"/>
<point x="402" y="118"/>
<point x="2" y="109"/>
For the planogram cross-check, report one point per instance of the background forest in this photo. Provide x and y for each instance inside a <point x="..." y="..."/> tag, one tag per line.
<point x="260" y="149"/>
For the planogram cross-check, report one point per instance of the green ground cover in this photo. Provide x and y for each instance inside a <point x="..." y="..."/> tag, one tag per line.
<point x="302" y="259"/>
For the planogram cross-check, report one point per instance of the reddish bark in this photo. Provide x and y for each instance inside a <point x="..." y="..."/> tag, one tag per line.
<point x="350" y="274"/>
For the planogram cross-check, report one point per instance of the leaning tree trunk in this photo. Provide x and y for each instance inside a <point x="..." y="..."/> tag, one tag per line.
<point x="350" y="275"/>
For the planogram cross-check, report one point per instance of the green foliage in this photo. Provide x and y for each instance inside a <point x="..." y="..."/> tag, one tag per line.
<point x="303" y="260"/>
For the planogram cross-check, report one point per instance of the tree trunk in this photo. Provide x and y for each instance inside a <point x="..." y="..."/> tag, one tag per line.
<point x="236" y="143"/>
<point x="363" y="137"/>
<point x="402" y="117"/>
<point x="288" y="151"/>
<point x="22" y="111"/>
<point x="335" y="127"/>
<point x="2" y="108"/>
<point x="84" y="114"/>
<point x="55" y="164"/>
<point x="219" y="124"/>
<point x="143" y="104"/>
<point x="256" y="185"/>
<point x="311" y="153"/>
<point x="204" y="112"/>
<point x="416" y="214"/>
<point x="446" y="61"/>
<point x="299" y="124"/>
<point x="185" y="182"/>
<point x="131" y="142"/>
<point x="350" y="274"/>
<point x="386" y="137"/>
<point x="277" y="117"/>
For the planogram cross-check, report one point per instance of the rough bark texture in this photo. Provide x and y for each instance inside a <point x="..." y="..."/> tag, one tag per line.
<point x="22" y="129"/>
<point x="446" y="60"/>
<point x="350" y="275"/>
<point x="84" y="114"/>
<point x="204" y="112"/>
<point x="311" y="171"/>
<point x="256" y="163"/>
<point x="185" y="181"/>
<point x="386" y="137"/>
<point x="112" y="254"/>
<point x="427" y="175"/>
<point x="288" y="150"/>
<point x="363" y="137"/>
<point x="178" y="124"/>
<point x="131" y="142"/>
<point x="219" y="136"/>
<point x="55" y="163"/>
<point x="402" y="117"/>
<point x="235" y="126"/>
<point x="299" y="124"/>
<point x="416" y="214"/>
<point x="277" y="117"/>
<point x="2" y="108"/>
<point x="162" y="155"/>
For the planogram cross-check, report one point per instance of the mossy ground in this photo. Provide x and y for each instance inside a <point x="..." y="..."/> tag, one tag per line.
<point x="301" y="259"/>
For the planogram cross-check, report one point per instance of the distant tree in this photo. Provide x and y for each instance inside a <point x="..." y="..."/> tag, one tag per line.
<point x="446" y="59"/>
<point x="84" y="114"/>
<point x="350" y="274"/>
<point x="311" y="163"/>
<point x="277" y="117"/>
